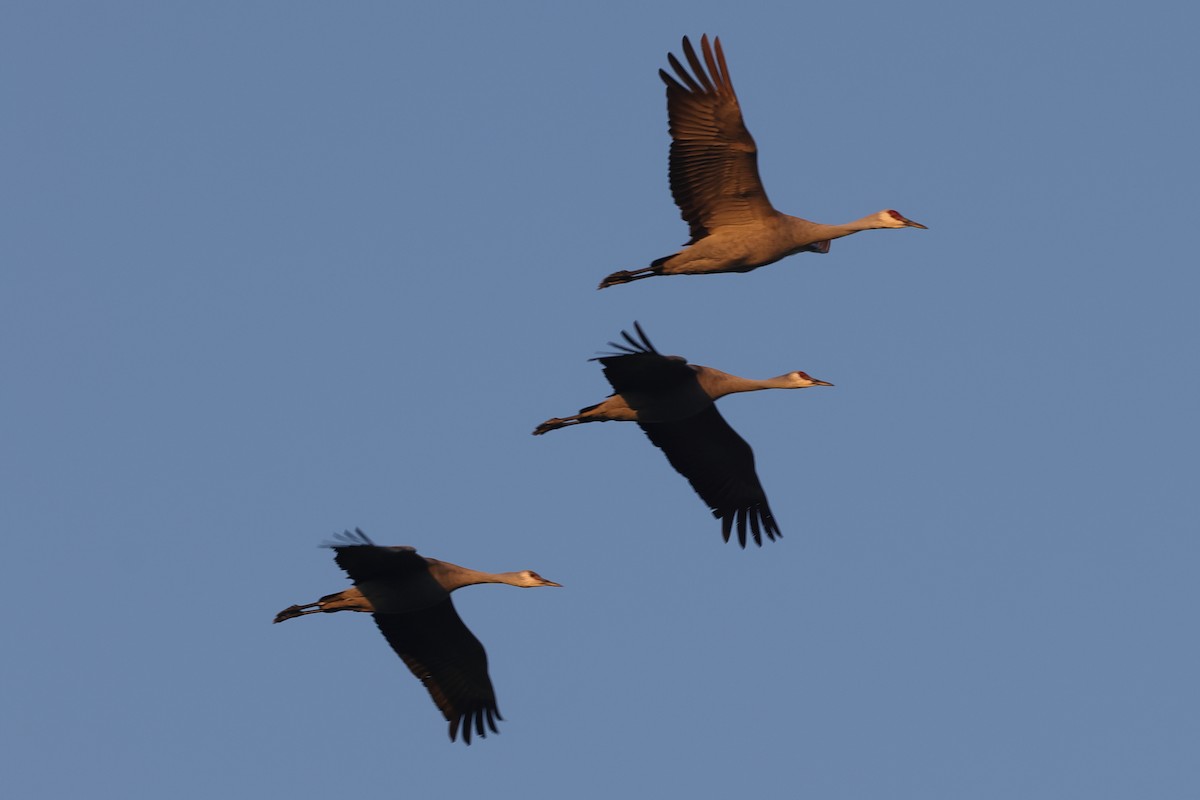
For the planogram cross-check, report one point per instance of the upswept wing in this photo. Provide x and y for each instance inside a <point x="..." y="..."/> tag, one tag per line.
<point x="639" y="369"/>
<point x="714" y="161"/>
<point x="365" y="561"/>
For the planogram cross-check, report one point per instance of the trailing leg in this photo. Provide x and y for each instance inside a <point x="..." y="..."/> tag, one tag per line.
<point x="297" y="611"/>
<point x="349" y="600"/>
<point x="626" y="276"/>
<point x="556" y="423"/>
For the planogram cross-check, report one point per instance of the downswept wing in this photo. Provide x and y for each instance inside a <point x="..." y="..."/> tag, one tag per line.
<point x="714" y="161"/>
<point x="719" y="465"/>
<point x="452" y="664"/>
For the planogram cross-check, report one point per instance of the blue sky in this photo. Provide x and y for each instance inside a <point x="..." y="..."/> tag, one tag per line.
<point x="273" y="270"/>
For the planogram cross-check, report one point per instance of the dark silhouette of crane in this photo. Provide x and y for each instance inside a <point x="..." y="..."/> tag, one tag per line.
<point x="673" y="403"/>
<point x="409" y="597"/>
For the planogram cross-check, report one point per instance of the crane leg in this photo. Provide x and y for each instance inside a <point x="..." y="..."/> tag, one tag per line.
<point x="627" y="275"/>
<point x="347" y="600"/>
<point x="556" y="423"/>
<point x="297" y="611"/>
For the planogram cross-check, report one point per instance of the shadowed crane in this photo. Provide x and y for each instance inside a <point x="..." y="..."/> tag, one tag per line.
<point x="715" y="182"/>
<point x="409" y="597"/>
<point x="673" y="403"/>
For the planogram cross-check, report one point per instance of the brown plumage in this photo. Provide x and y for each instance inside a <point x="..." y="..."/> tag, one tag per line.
<point x="715" y="182"/>
<point x="409" y="597"/>
<point x="673" y="403"/>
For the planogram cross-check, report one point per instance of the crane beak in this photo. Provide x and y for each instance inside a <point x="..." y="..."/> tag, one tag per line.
<point x="908" y="223"/>
<point x="821" y="383"/>
<point x="550" y="583"/>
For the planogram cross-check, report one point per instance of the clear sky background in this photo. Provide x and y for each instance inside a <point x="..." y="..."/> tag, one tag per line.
<point x="273" y="270"/>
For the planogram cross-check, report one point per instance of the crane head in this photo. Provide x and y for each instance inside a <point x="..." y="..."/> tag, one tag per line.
<point x="528" y="579"/>
<point x="891" y="218"/>
<point x="802" y="380"/>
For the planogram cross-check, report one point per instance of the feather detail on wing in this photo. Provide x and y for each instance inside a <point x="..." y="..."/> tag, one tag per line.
<point x="714" y="161"/>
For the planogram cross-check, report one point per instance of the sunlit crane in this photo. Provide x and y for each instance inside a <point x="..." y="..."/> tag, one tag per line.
<point x="715" y="183"/>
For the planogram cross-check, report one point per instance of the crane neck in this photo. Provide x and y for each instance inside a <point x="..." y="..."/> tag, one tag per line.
<point x="718" y="384"/>
<point x="452" y="576"/>
<point x="810" y="231"/>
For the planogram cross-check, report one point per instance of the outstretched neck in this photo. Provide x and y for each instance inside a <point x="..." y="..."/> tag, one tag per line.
<point x="718" y="384"/>
<point x="452" y="576"/>
<point x="819" y="231"/>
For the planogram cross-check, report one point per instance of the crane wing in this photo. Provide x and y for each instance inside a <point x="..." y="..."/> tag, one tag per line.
<point x="714" y="161"/>
<point x="679" y="417"/>
<point x="719" y="465"/>
<point x="365" y="561"/>
<point x="443" y="653"/>
<point x="638" y="368"/>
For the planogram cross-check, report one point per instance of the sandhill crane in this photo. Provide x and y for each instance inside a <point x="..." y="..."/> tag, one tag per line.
<point x="715" y="183"/>
<point x="672" y="402"/>
<point x="715" y="383"/>
<point x="409" y="597"/>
